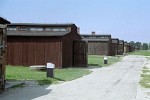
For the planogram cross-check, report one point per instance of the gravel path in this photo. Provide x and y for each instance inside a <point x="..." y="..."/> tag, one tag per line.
<point x="116" y="82"/>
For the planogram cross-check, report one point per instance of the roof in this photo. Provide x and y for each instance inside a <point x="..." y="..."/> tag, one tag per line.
<point x="36" y="33"/>
<point x="39" y="24"/>
<point x="99" y="37"/>
<point x="121" y="41"/>
<point x="4" y="21"/>
<point x="96" y="40"/>
<point x="96" y="35"/>
<point x="115" y="39"/>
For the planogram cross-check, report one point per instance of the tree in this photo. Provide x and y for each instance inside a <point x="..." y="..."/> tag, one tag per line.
<point x="132" y="43"/>
<point x="149" y="46"/>
<point x="138" y="45"/>
<point x="145" y="46"/>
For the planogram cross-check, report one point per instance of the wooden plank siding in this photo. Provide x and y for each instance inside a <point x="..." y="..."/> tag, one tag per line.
<point x="2" y="57"/>
<point x="114" y="47"/>
<point x="98" y="44"/>
<point x="67" y="47"/>
<point x="129" y="47"/>
<point x="98" y="48"/>
<point x="121" y="47"/>
<point x="28" y="51"/>
<point x="40" y="47"/>
<point x="80" y="53"/>
<point x="3" y="43"/>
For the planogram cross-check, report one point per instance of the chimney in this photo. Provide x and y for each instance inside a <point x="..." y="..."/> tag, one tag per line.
<point x="93" y="33"/>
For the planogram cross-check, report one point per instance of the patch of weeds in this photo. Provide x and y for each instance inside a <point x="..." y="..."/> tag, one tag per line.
<point x="18" y="86"/>
<point x="145" y="71"/>
<point x="145" y="67"/>
<point x="44" y="82"/>
<point x="145" y="81"/>
<point x="145" y="85"/>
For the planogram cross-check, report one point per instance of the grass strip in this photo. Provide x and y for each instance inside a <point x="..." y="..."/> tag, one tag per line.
<point x="140" y="52"/>
<point x="95" y="60"/>
<point x="145" y="81"/>
<point x="24" y="73"/>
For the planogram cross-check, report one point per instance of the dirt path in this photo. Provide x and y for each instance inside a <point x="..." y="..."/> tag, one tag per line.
<point x="116" y="82"/>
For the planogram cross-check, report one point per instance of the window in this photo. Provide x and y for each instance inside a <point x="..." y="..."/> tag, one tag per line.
<point x="48" y="29"/>
<point x="12" y="28"/>
<point x="24" y="28"/>
<point x="36" y="29"/>
<point x="57" y="29"/>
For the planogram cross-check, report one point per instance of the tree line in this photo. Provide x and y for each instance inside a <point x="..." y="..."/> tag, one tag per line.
<point x="140" y="46"/>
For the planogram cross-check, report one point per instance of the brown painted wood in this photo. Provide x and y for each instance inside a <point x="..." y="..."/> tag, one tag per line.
<point x="31" y="49"/>
<point x="80" y="53"/>
<point x="2" y="56"/>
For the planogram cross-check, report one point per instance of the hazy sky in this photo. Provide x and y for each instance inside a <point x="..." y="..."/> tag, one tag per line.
<point x="124" y="19"/>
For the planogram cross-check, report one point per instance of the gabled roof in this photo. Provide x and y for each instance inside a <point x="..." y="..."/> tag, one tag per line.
<point x="125" y="42"/>
<point x="4" y="21"/>
<point x="36" y="33"/>
<point x="96" y="40"/>
<point x="121" y="42"/>
<point x="114" y="40"/>
<point x="39" y="24"/>
<point x="96" y="35"/>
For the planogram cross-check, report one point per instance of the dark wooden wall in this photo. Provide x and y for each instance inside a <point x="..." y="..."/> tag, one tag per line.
<point x="36" y="50"/>
<point x="120" y="49"/>
<point x="114" y="48"/>
<point x="3" y="38"/>
<point x="67" y="47"/>
<point x="80" y="53"/>
<point x="98" y="48"/>
<point x="26" y="51"/>
<point x="125" y="48"/>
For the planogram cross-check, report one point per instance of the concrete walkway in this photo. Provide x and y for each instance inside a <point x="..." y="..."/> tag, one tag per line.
<point x="116" y="82"/>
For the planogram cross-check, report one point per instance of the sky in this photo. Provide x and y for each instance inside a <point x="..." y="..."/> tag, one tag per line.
<point x="128" y="20"/>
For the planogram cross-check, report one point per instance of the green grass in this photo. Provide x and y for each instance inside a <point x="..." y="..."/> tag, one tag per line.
<point x="96" y="60"/>
<point x="67" y="74"/>
<point x="145" y="67"/>
<point x="145" y="81"/>
<point x="145" y="71"/>
<point x="140" y="52"/>
<point x="24" y="73"/>
<point x="145" y="77"/>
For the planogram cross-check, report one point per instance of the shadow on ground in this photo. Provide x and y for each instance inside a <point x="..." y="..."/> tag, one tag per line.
<point x="93" y="67"/>
<point x="25" y="93"/>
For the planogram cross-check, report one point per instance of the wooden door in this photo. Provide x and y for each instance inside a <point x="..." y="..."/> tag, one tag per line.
<point x="79" y="54"/>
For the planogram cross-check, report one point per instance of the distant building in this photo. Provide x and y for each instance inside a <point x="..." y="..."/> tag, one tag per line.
<point x="121" y="47"/>
<point x="129" y="47"/>
<point x="114" y="46"/>
<point x="98" y="44"/>
<point x="37" y="44"/>
<point x="125" y="47"/>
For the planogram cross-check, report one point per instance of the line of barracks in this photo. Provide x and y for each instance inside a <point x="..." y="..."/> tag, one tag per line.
<point x="26" y="44"/>
<point x="62" y="44"/>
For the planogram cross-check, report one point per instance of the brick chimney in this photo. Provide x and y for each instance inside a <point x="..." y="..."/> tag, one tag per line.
<point x="93" y="33"/>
